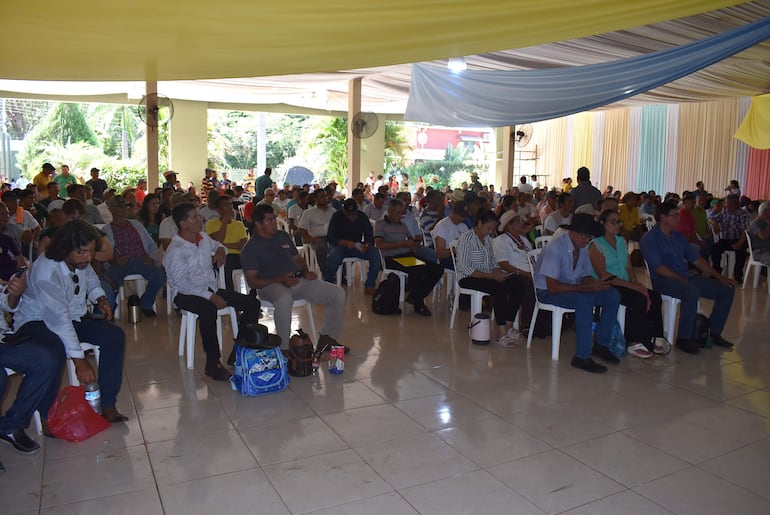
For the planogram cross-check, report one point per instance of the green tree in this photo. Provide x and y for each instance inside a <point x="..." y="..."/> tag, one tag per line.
<point x="332" y="142"/>
<point x="396" y="145"/>
<point x="23" y="115"/>
<point x="64" y="125"/>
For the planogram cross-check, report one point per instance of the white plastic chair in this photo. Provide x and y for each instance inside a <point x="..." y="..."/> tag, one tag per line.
<point x="755" y="265"/>
<point x="311" y="260"/>
<point x="402" y="278"/>
<point x="187" y="331"/>
<point x="557" y="312"/>
<point x="670" y="305"/>
<point x="542" y="241"/>
<point x="141" y="284"/>
<point x="36" y="414"/>
<point x="349" y="263"/>
<point x="73" y="377"/>
<point x="728" y="257"/>
<point x="477" y="296"/>
<point x="298" y="303"/>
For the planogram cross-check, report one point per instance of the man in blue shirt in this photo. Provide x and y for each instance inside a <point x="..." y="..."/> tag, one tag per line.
<point x="667" y="253"/>
<point x="563" y="278"/>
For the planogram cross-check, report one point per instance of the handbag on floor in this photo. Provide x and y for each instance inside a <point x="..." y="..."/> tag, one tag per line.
<point x="301" y="354"/>
<point x="259" y="371"/>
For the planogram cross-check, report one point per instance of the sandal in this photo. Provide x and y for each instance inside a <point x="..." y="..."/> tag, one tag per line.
<point x="639" y="350"/>
<point x="662" y="346"/>
<point x="507" y="342"/>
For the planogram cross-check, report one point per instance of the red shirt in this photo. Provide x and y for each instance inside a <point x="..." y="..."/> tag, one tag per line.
<point x="686" y="224"/>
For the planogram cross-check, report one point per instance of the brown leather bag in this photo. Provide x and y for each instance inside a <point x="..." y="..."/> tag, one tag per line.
<point x="300" y="355"/>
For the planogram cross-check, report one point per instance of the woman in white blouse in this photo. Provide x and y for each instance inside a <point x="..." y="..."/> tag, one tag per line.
<point x="477" y="270"/>
<point x="511" y="247"/>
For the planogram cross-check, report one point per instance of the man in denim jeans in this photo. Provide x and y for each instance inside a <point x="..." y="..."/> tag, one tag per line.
<point x="667" y="253"/>
<point x="563" y="278"/>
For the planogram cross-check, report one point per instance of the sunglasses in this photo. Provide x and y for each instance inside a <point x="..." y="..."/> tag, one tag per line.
<point x="76" y="280"/>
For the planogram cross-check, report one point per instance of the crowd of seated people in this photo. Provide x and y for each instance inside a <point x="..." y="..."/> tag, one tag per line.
<point x="81" y="248"/>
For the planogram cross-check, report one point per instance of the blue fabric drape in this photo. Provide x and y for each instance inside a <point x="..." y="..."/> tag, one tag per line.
<point x="500" y="98"/>
<point x="652" y="149"/>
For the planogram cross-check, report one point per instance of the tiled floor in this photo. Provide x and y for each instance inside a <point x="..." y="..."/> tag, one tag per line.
<point x="423" y="422"/>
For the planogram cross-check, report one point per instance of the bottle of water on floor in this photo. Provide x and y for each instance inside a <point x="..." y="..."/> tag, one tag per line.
<point x="94" y="397"/>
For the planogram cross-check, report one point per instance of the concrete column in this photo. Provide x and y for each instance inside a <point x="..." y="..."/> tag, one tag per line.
<point x="354" y="144"/>
<point x="262" y="144"/>
<point x="373" y="152"/>
<point x="504" y="168"/>
<point x="151" y="89"/>
<point x="188" y="141"/>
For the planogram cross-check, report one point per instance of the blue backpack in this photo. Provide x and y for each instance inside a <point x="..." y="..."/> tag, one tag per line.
<point x="259" y="371"/>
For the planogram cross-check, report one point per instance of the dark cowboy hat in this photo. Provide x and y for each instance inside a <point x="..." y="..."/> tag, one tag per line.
<point x="584" y="224"/>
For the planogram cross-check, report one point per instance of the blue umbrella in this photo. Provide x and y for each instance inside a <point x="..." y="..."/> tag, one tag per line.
<point x="299" y="175"/>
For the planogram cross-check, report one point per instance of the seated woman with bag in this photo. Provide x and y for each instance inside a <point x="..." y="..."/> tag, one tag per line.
<point x="609" y="258"/>
<point x="477" y="269"/>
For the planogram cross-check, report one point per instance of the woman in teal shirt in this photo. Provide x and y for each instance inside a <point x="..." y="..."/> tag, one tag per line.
<point x="609" y="258"/>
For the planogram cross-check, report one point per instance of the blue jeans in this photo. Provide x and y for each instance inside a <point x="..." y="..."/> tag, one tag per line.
<point x="337" y="253"/>
<point x="689" y="292"/>
<point x="583" y="304"/>
<point x="41" y="362"/>
<point x="155" y="275"/>
<point x="107" y="336"/>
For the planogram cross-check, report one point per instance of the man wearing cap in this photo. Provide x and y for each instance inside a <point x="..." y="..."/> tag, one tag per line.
<point x="42" y="179"/>
<point x="585" y="192"/>
<point x="99" y="186"/>
<point x="560" y="217"/>
<point x="667" y="254"/>
<point x="350" y="235"/>
<point x="64" y="179"/>
<point x="170" y="176"/>
<point x="447" y="230"/>
<point x="135" y="252"/>
<point x="563" y="278"/>
<point x="510" y="249"/>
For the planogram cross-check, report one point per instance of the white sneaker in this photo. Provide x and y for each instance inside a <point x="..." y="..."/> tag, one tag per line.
<point x="516" y="334"/>
<point x="507" y="342"/>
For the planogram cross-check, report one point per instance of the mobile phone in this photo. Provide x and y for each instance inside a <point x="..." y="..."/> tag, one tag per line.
<point x="20" y="271"/>
<point x="610" y="278"/>
<point x="298" y="273"/>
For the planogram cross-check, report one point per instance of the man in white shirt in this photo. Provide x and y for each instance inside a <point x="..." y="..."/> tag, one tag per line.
<point x="377" y="209"/>
<point x="189" y="264"/>
<point x="314" y="225"/>
<point x="53" y="311"/>
<point x="535" y="182"/>
<point x="524" y="187"/>
<point x="168" y="228"/>
<point x="562" y="216"/>
<point x="447" y="230"/>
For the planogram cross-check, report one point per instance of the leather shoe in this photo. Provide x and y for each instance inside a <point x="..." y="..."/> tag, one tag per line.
<point x="149" y="312"/>
<point x="588" y="365"/>
<point x="721" y="342"/>
<point x="216" y="371"/>
<point x="21" y="442"/>
<point x="688" y="346"/>
<point x="422" y="310"/>
<point x="605" y="353"/>
<point x="325" y="343"/>
<point x="113" y="416"/>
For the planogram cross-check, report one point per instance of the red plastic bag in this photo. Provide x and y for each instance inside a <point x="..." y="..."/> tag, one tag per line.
<point x="72" y="418"/>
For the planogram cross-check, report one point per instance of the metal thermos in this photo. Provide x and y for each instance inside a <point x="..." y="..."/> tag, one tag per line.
<point x="134" y="309"/>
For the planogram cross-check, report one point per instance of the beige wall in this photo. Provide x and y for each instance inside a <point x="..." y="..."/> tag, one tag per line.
<point x="188" y="140"/>
<point x="372" y="152"/>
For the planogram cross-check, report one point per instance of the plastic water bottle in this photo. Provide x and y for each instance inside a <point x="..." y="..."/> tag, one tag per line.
<point x="94" y="397"/>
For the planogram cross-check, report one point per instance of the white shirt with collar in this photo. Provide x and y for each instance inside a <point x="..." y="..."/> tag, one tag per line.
<point x="316" y="221"/>
<point x="188" y="266"/>
<point x="50" y="297"/>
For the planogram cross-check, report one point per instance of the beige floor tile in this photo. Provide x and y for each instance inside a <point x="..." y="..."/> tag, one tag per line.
<point x="441" y="411"/>
<point x="291" y="440"/>
<point x="470" y="493"/>
<point x="171" y="393"/>
<point x="414" y="460"/>
<point x="372" y="424"/>
<point x="626" y="503"/>
<point x="323" y="481"/>
<point x="246" y="412"/>
<point x="338" y="395"/>
<point x="554" y="481"/>
<point x="385" y="504"/>
<point x="697" y="492"/>
<point x="748" y="467"/>
<point x="146" y="502"/>
<point x="189" y="419"/>
<point x="737" y="424"/>
<point x="20" y="486"/>
<point x="756" y="402"/>
<point x="400" y="386"/>
<point x="559" y="425"/>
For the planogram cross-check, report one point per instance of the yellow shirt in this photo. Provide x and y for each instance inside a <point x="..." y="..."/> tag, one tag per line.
<point x="41" y="180"/>
<point x="236" y="232"/>
<point x="629" y="217"/>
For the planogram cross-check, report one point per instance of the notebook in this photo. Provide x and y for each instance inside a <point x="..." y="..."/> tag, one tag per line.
<point x="408" y="261"/>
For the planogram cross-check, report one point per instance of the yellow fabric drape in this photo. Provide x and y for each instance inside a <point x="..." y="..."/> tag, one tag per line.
<point x="755" y="128"/>
<point x="197" y="39"/>
<point x="552" y="141"/>
<point x="615" y="155"/>
<point x="583" y="135"/>
<point x="705" y="148"/>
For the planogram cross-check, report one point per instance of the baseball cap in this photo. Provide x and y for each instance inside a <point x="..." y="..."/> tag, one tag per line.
<point x="350" y="205"/>
<point x="54" y="205"/>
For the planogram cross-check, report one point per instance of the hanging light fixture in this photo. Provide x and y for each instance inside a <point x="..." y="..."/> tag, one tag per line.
<point x="456" y="64"/>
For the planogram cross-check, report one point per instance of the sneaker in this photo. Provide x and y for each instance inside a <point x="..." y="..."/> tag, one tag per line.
<point x="21" y="442"/>
<point x="605" y="353"/>
<point x="516" y="334"/>
<point x="507" y="342"/>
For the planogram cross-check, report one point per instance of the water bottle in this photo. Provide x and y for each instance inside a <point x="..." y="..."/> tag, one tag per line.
<point x="94" y="397"/>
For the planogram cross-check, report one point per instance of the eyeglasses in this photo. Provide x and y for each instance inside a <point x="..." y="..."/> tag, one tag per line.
<point x="76" y="280"/>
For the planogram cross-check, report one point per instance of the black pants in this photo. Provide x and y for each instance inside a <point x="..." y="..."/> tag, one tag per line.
<point x="642" y="325"/>
<point x="422" y="278"/>
<point x="506" y="295"/>
<point x="232" y="262"/>
<point x="248" y="305"/>
<point x="740" y="257"/>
